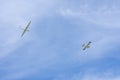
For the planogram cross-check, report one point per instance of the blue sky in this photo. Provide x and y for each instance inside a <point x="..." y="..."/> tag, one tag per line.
<point x="52" y="49"/>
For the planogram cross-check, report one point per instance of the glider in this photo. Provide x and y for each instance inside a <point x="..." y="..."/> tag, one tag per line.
<point x="26" y="29"/>
<point x="86" y="46"/>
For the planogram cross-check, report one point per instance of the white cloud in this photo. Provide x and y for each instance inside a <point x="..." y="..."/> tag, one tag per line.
<point x="103" y="15"/>
<point x="89" y="76"/>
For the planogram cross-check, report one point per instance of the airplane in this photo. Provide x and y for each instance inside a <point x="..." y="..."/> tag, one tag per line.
<point x="26" y="29"/>
<point x="86" y="46"/>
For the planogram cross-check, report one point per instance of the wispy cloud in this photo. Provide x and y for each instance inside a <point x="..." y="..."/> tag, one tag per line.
<point x="89" y="76"/>
<point x="56" y="46"/>
<point x="104" y="15"/>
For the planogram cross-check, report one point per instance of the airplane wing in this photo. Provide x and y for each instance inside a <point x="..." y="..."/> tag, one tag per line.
<point x="89" y="42"/>
<point x="84" y="48"/>
<point x="23" y="33"/>
<point x="26" y="28"/>
<point x="88" y="45"/>
<point x="28" y="25"/>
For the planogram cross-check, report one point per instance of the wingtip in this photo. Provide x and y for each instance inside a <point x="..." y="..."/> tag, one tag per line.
<point x="83" y="49"/>
<point x="90" y="42"/>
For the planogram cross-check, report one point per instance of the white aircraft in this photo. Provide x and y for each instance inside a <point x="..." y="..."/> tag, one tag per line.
<point x="26" y="29"/>
<point x="86" y="46"/>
